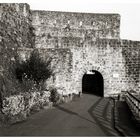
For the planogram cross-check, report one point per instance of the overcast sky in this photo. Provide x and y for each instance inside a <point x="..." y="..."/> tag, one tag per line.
<point x="128" y="9"/>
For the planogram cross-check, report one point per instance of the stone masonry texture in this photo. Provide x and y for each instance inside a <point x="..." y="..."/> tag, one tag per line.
<point x="15" y="30"/>
<point x="76" y="42"/>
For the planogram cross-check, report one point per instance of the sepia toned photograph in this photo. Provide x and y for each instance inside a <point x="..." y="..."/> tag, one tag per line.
<point x="69" y="68"/>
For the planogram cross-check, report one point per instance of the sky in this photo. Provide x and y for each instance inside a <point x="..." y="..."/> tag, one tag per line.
<point x="128" y="9"/>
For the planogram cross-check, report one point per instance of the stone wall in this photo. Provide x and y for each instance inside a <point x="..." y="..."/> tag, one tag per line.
<point x="62" y="68"/>
<point x="61" y="65"/>
<point x="76" y="42"/>
<point x="15" y="30"/>
<point x="116" y="60"/>
<point x="51" y="26"/>
<point x="100" y="56"/>
<point x="18" y="107"/>
<point x="131" y="56"/>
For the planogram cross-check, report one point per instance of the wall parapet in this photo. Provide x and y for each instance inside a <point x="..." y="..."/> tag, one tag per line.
<point x="98" y="25"/>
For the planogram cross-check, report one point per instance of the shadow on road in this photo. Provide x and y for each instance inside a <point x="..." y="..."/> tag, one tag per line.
<point x="126" y="121"/>
<point x="73" y="113"/>
<point x="101" y="117"/>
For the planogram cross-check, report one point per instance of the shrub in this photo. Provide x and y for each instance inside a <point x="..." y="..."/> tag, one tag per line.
<point x="54" y="96"/>
<point x="27" y="85"/>
<point x="34" y="69"/>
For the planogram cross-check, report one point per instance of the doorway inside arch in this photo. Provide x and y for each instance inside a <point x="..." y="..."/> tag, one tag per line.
<point x="93" y="83"/>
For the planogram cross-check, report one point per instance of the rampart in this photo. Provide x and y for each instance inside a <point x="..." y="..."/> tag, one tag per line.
<point x="77" y="43"/>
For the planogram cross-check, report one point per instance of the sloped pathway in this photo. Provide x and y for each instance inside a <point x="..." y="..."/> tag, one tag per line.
<point x="87" y="116"/>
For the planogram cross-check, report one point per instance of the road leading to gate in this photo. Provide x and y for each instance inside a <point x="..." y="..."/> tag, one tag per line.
<point x="86" y="116"/>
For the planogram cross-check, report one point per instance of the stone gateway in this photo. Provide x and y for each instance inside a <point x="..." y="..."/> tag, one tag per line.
<point x="80" y="45"/>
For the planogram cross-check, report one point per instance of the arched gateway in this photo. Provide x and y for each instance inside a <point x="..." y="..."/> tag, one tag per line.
<point x="93" y="83"/>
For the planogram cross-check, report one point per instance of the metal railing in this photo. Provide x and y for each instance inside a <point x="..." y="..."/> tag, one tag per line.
<point x="114" y="114"/>
<point x="134" y="104"/>
<point x="114" y="96"/>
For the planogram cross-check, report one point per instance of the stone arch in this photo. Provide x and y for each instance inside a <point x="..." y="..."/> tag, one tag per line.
<point x="93" y="83"/>
<point x="101" y="70"/>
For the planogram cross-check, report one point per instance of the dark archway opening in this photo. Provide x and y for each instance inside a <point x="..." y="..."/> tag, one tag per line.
<point x="93" y="83"/>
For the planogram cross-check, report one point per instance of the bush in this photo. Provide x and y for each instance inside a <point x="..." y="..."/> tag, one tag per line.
<point x="54" y="96"/>
<point x="34" y="70"/>
<point x="27" y="85"/>
<point x="18" y="77"/>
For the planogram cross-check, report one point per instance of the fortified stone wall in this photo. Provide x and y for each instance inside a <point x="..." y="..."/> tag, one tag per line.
<point x="61" y="66"/>
<point x="71" y="63"/>
<point x="76" y="42"/>
<point x="15" y="30"/>
<point x="104" y="56"/>
<point x="131" y="56"/>
<point x="117" y="60"/>
<point x="51" y="26"/>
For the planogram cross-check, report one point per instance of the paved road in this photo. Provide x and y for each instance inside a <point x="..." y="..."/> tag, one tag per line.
<point x="87" y="116"/>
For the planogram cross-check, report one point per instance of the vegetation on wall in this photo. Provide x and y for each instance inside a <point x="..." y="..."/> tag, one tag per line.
<point x="16" y="32"/>
<point x="54" y="96"/>
<point x="34" y="71"/>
